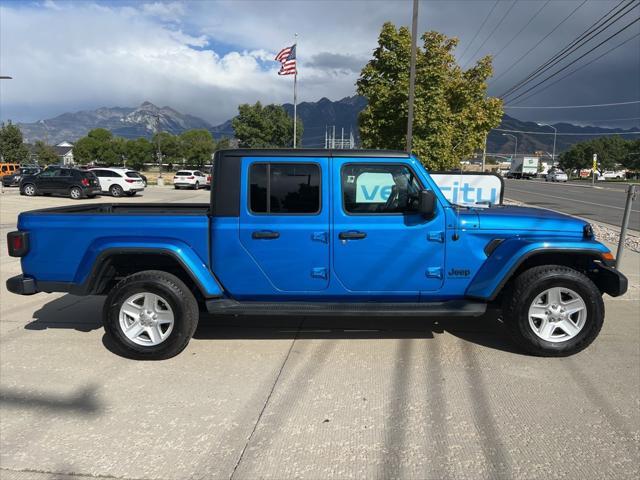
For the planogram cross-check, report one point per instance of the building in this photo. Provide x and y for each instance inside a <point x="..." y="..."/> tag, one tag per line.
<point x="64" y="151"/>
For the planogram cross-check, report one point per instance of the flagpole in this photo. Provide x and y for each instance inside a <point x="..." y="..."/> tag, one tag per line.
<point x="295" y="95"/>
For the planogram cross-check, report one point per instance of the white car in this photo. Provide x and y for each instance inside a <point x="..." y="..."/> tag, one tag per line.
<point x="556" y="176"/>
<point x="609" y="174"/>
<point x="190" y="179"/>
<point x="119" y="181"/>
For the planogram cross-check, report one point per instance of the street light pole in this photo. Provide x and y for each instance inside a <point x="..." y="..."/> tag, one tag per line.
<point x="555" y="134"/>
<point x="412" y="74"/>
<point x="515" y="150"/>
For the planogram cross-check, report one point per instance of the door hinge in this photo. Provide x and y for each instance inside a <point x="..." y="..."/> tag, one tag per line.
<point x="434" y="272"/>
<point x="320" y="237"/>
<point x="435" y="237"/>
<point x="319" y="272"/>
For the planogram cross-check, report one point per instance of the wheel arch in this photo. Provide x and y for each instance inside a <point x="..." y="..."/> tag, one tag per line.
<point x="114" y="263"/>
<point x="495" y="276"/>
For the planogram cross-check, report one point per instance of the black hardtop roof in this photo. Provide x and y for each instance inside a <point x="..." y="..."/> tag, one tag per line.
<point x="311" y="152"/>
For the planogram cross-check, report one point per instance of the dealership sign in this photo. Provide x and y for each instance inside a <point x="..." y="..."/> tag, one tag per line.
<point x="469" y="189"/>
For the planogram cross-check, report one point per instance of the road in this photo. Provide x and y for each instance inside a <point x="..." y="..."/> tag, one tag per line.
<point x="308" y="398"/>
<point x="602" y="203"/>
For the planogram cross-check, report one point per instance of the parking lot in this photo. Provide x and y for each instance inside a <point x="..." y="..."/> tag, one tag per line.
<point x="274" y="397"/>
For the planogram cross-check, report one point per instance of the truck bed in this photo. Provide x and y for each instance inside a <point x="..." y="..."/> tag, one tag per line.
<point x="129" y="209"/>
<point x="65" y="241"/>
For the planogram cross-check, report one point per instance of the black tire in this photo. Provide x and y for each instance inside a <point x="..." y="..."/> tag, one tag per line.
<point x="131" y="194"/>
<point x="532" y="283"/>
<point x="176" y="187"/>
<point x="196" y="186"/>
<point x="29" y="189"/>
<point x="180" y="299"/>
<point x="116" y="191"/>
<point x="75" y="193"/>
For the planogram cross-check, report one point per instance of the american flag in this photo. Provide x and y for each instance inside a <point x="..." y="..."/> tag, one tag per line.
<point x="287" y="59"/>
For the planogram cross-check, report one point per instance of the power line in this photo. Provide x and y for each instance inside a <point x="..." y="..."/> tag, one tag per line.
<point x="574" y="71"/>
<point x="522" y="29"/>
<point x="539" y="42"/>
<point x="577" y="43"/>
<point x="574" y="61"/>
<point x="581" y="106"/>
<point x="513" y="4"/>
<point x="479" y="29"/>
<point x="566" y="134"/>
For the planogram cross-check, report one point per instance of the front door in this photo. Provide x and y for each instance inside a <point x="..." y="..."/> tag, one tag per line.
<point x="46" y="181"/>
<point x="284" y="221"/>
<point x="381" y="243"/>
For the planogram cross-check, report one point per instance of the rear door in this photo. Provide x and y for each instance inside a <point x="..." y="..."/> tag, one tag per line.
<point x="284" y="220"/>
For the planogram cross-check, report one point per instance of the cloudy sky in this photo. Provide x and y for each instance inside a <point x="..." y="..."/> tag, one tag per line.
<point x="206" y="57"/>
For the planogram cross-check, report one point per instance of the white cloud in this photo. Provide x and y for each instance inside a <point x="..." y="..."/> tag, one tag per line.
<point x="164" y="10"/>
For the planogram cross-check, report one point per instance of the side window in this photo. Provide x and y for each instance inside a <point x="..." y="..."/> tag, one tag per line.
<point x="51" y="172"/>
<point x="284" y="188"/>
<point x="65" y="172"/>
<point x="379" y="189"/>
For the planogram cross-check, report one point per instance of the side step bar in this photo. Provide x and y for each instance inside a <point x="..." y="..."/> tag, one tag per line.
<point x="452" y="308"/>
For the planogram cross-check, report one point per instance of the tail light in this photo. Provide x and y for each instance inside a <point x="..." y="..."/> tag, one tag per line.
<point x="191" y="177"/>
<point x="85" y="182"/>
<point x="18" y="243"/>
<point x="129" y="180"/>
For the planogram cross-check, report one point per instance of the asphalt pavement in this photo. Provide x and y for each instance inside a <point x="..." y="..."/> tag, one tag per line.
<point x="602" y="203"/>
<point x="308" y="398"/>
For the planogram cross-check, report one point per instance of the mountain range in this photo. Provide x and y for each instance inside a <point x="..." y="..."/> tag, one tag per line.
<point x="317" y="117"/>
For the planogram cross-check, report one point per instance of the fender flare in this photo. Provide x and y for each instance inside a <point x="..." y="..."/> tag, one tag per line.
<point x="505" y="260"/>
<point x="96" y="260"/>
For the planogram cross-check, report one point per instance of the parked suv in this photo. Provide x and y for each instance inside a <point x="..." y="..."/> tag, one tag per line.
<point x="190" y="179"/>
<point x="13" y="180"/>
<point x="119" y="181"/>
<point x="60" y="180"/>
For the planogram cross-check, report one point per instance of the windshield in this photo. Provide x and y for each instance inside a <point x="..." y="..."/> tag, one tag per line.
<point x="183" y="173"/>
<point x="132" y="174"/>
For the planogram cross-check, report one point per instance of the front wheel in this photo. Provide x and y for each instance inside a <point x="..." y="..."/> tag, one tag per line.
<point x="150" y="315"/>
<point x="553" y="311"/>
<point x="196" y="186"/>
<point x="29" y="190"/>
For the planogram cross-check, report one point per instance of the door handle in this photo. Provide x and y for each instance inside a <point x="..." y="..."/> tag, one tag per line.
<point x="265" y="235"/>
<point x="352" y="235"/>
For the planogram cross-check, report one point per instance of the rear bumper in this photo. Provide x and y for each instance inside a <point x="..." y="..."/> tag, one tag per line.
<point x="22" y="285"/>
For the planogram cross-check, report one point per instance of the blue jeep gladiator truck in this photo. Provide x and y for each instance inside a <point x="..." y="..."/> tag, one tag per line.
<point x="319" y="232"/>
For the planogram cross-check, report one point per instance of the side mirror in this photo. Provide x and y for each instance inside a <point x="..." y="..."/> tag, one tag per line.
<point x="427" y="206"/>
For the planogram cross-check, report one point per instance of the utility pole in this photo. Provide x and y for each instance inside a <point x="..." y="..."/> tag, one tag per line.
<point x="326" y="137"/>
<point x="555" y="134"/>
<point x="484" y="153"/>
<point x="412" y="75"/>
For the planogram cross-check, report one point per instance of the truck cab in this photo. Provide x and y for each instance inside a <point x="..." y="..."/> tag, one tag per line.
<point x="321" y="232"/>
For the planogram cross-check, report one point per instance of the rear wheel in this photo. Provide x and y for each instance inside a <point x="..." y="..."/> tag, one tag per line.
<point x="75" y="193"/>
<point x="29" y="189"/>
<point x="553" y="311"/>
<point x="150" y="315"/>
<point x="116" y="191"/>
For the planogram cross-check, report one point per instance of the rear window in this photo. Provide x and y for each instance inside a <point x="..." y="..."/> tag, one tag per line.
<point x="183" y="173"/>
<point x="133" y="175"/>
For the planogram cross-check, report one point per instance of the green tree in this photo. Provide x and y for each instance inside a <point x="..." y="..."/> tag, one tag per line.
<point x="612" y="151"/>
<point x="97" y="146"/>
<point x="631" y="158"/>
<point x="197" y="146"/>
<point x="139" y="152"/>
<point x="45" y="153"/>
<point x="265" y="127"/>
<point x="12" y="147"/>
<point x="169" y="146"/>
<point x="453" y="114"/>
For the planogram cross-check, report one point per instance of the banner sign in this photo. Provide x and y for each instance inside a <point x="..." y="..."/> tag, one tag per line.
<point x="470" y="189"/>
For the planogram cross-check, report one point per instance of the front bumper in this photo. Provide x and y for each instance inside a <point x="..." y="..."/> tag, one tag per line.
<point x="22" y="285"/>
<point x="609" y="280"/>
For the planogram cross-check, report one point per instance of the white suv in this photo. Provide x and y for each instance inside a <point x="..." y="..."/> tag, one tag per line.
<point x="119" y="181"/>
<point x="190" y="179"/>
